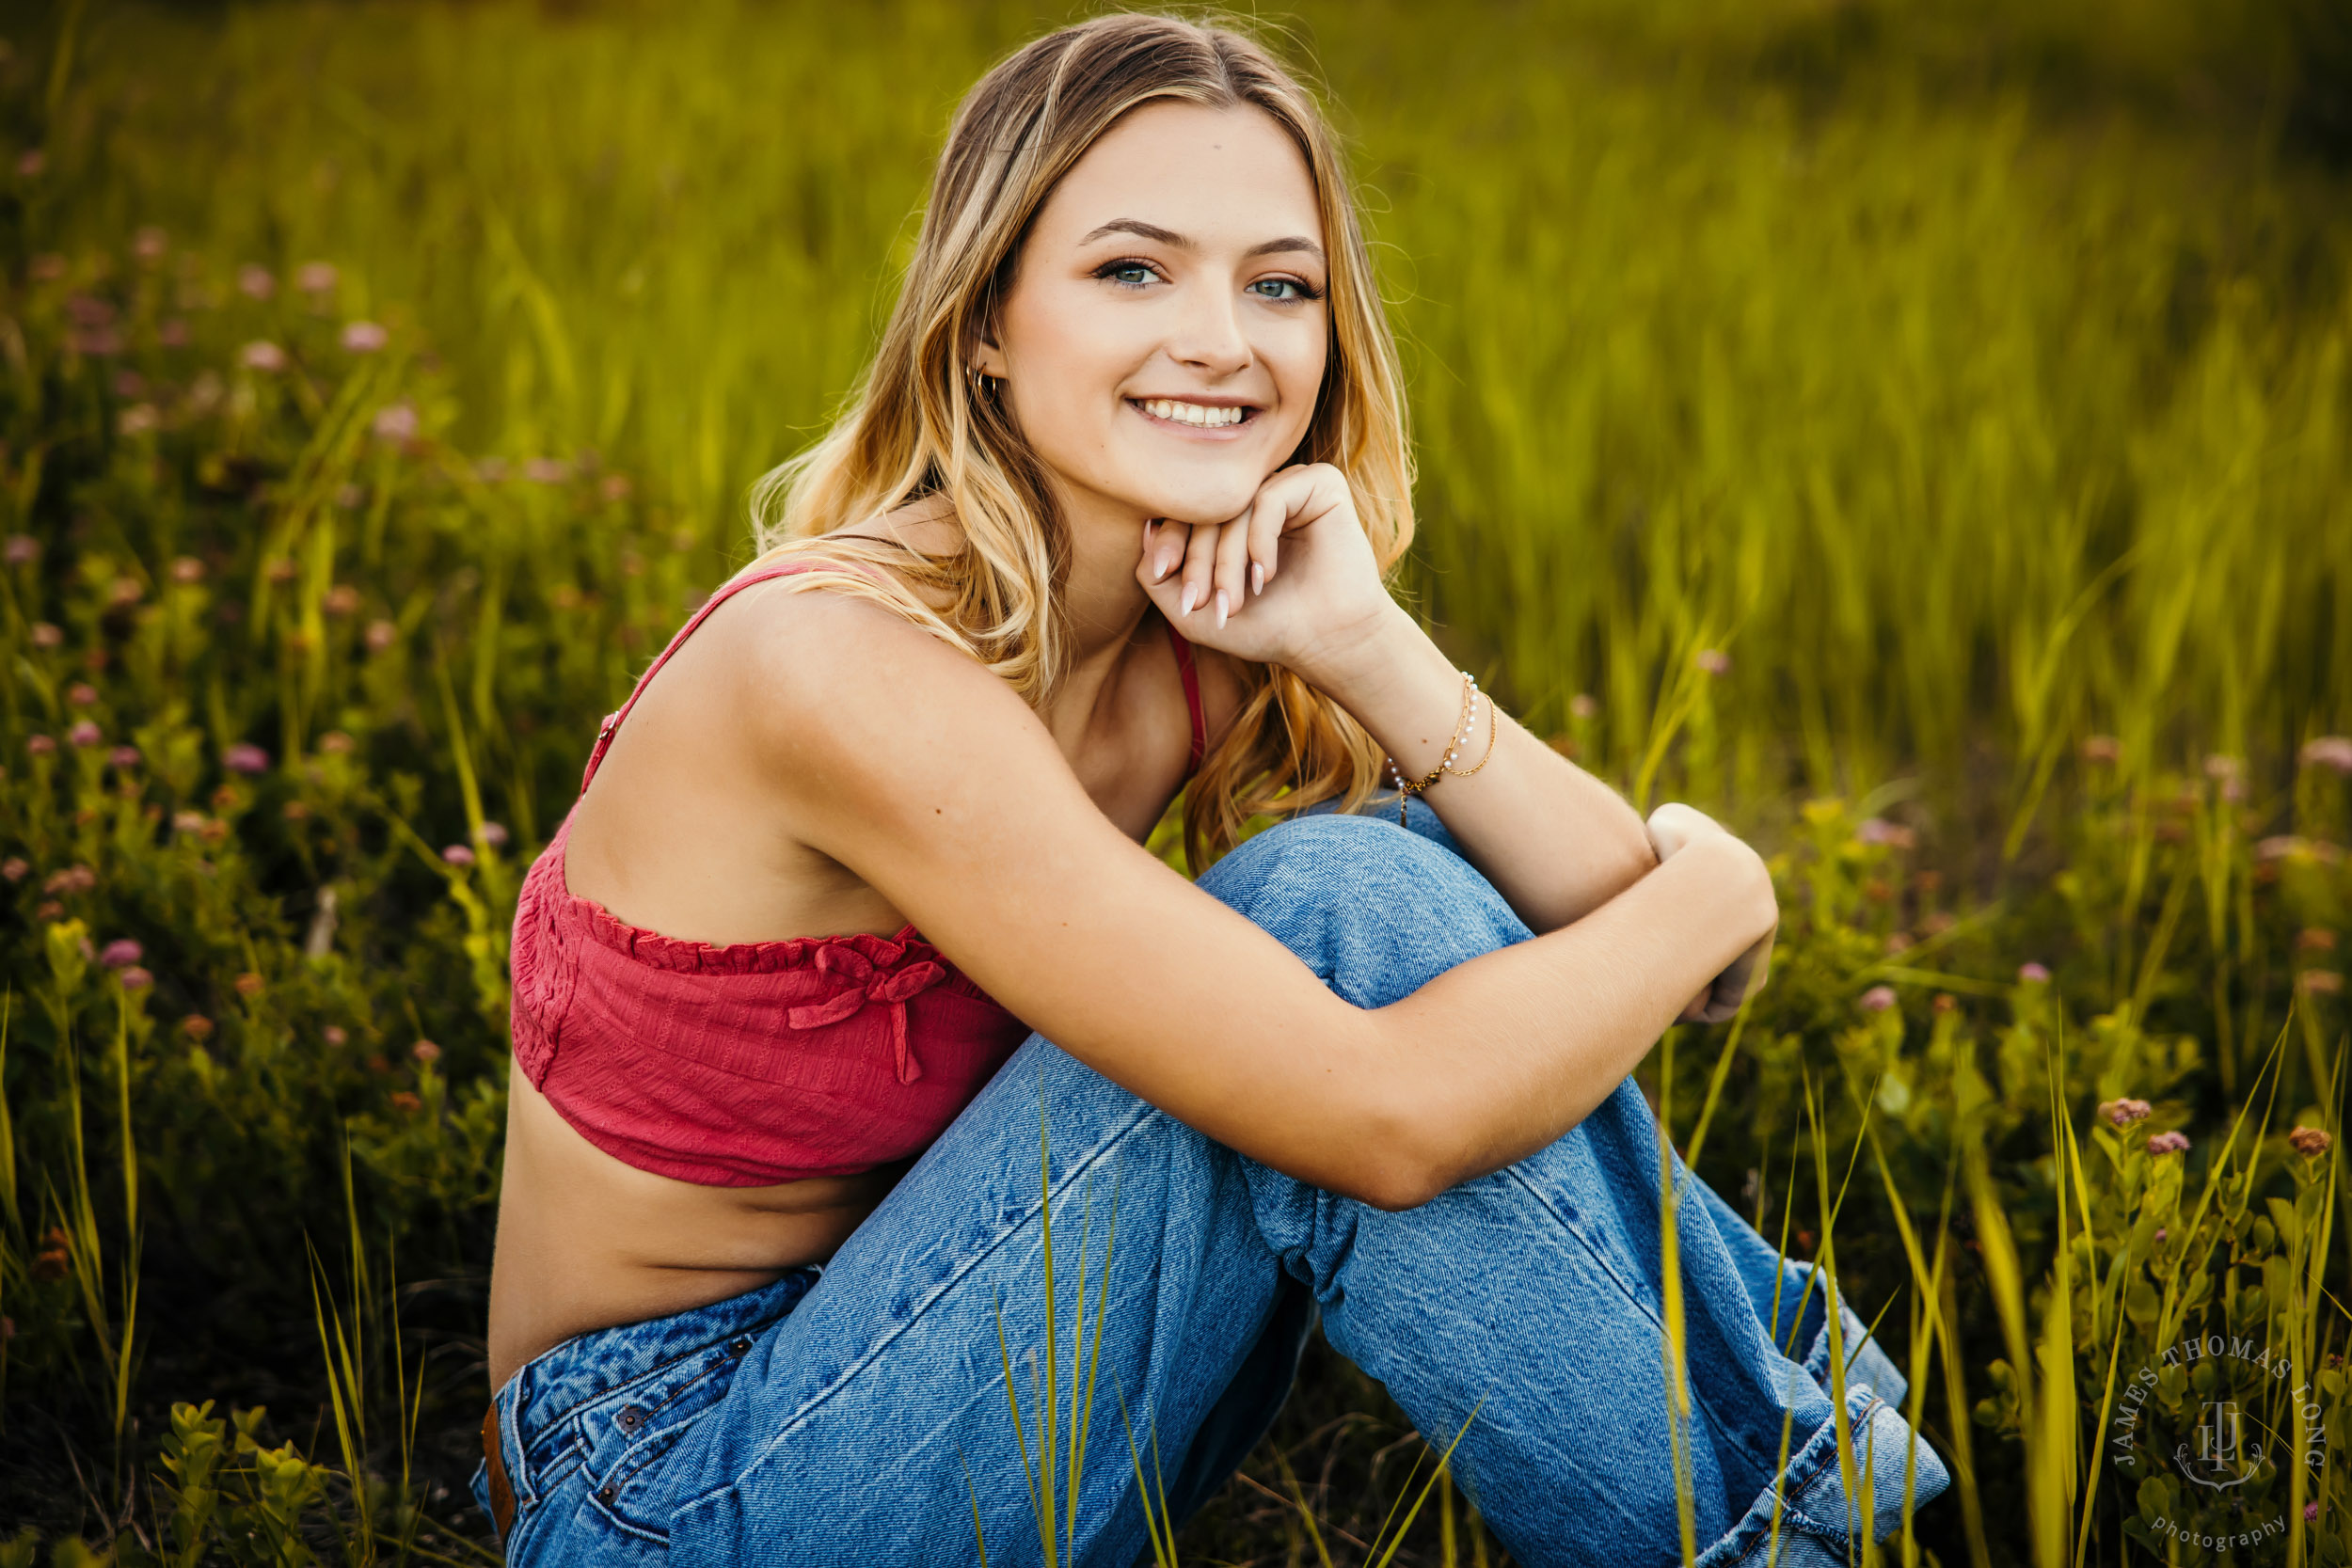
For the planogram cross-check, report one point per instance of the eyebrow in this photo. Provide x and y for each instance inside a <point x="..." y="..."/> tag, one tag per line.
<point x="1170" y="237"/>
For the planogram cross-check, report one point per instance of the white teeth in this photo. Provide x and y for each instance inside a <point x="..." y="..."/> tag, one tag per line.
<point x="1194" y="412"/>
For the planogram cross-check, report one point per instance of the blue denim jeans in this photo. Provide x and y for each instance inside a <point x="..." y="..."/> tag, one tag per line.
<point x="858" y="1413"/>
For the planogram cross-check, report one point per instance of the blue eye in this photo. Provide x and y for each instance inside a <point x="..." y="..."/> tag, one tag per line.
<point x="1273" y="288"/>
<point x="1132" y="275"/>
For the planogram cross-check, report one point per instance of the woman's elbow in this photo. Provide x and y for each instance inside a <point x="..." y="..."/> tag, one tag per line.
<point x="1390" y="1189"/>
<point x="1635" y="858"/>
<point x="1402" y="1164"/>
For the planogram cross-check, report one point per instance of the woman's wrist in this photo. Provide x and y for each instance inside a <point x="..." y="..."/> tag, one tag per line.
<point x="1394" y="680"/>
<point x="1742" y="881"/>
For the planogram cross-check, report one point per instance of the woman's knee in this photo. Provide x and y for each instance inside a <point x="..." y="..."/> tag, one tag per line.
<point x="1375" y="909"/>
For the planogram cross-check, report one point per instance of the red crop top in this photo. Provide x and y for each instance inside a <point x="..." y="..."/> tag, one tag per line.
<point x="757" y="1061"/>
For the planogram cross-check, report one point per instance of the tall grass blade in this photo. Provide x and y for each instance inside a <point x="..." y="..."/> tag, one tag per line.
<point x="1306" y="1514"/>
<point x="1435" y="1476"/>
<point x="1823" y="1270"/>
<point x="1157" y="1521"/>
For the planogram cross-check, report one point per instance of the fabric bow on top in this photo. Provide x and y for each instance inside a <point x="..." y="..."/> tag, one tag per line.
<point x="870" y="982"/>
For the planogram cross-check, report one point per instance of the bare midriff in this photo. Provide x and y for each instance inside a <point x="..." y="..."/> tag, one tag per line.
<point x="586" y="1241"/>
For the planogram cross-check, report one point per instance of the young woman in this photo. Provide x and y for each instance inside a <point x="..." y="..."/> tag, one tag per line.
<point x="1108" y="523"/>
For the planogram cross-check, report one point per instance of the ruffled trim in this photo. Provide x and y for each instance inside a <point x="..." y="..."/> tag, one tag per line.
<point x="855" y="954"/>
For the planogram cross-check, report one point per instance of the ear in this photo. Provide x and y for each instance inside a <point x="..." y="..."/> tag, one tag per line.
<point x="987" y="357"/>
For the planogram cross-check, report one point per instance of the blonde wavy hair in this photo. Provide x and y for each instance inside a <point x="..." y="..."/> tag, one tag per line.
<point x="916" y="429"/>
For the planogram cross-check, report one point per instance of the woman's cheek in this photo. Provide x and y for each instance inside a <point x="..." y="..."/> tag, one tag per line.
<point x="1298" y="382"/>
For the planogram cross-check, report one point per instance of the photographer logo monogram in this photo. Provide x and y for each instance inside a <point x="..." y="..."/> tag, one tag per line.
<point x="2222" y="1457"/>
<point x="2231" y="1441"/>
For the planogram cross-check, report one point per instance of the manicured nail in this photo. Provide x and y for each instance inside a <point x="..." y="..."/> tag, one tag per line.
<point x="1257" y="577"/>
<point x="1189" y="593"/>
<point x="1223" y="609"/>
<point x="1168" y="560"/>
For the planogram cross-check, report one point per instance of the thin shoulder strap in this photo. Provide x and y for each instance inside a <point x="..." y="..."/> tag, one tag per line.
<point x="1192" y="696"/>
<point x="727" y="590"/>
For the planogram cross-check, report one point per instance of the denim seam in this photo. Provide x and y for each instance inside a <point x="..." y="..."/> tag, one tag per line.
<point x="1805" y="1469"/>
<point x="1144" y="1114"/>
<point x="624" y="1526"/>
<point x="563" y="1447"/>
<point x="629" y="1463"/>
<point x="556" y="1471"/>
<point x="508" y="1404"/>
<point x="649" y="1446"/>
<point x="621" y="1391"/>
<point x="1832" y="1471"/>
<point x="514" y="1383"/>
<point x="557" y="1438"/>
<point x="1598" y="1256"/>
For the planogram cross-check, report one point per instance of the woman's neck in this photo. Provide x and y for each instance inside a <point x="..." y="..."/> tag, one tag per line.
<point x="1102" y="605"/>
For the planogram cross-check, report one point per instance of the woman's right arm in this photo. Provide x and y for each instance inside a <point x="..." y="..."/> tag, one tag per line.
<point x="910" y="764"/>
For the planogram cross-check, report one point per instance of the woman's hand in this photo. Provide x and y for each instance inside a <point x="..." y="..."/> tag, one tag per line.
<point x="1291" y="581"/>
<point x="1673" y="827"/>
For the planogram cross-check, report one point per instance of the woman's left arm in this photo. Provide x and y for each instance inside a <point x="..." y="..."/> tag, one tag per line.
<point x="1293" y="582"/>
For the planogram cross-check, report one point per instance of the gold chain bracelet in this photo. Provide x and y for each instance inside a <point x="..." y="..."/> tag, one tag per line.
<point x="1406" y="788"/>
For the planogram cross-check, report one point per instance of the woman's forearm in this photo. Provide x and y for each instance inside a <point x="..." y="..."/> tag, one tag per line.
<point x="1556" y="841"/>
<point x="1499" y="1056"/>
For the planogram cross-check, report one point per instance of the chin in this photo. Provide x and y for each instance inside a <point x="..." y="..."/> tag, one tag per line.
<point x="1199" y="504"/>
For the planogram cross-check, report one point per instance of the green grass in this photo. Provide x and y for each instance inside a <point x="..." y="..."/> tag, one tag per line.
<point x="1974" y="379"/>
<point x="1954" y="429"/>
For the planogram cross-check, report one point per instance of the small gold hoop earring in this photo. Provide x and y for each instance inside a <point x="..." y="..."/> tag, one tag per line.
<point x="983" y="384"/>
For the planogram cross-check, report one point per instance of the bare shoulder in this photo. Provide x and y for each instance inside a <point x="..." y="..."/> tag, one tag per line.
<point x="799" y="649"/>
<point x="803" y="648"/>
<point x="838" y="697"/>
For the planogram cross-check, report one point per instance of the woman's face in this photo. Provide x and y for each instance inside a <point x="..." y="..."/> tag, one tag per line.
<point x="1166" y="333"/>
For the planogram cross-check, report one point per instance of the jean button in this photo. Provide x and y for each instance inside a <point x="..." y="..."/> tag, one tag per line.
<point x="608" y="1493"/>
<point x="630" y="1419"/>
<point x="741" y="1345"/>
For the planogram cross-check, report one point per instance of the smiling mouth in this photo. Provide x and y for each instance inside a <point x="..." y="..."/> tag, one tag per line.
<point x="1196" y="416"/>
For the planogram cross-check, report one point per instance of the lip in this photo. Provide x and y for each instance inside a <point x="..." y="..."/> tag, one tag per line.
<point x="1197" y="433"/>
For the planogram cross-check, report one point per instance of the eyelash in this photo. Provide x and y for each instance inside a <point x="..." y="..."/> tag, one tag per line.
<point x="1108" y="271"/>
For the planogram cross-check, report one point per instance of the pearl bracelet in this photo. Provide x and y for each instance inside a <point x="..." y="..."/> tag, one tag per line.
<point x="1406" y="788"/>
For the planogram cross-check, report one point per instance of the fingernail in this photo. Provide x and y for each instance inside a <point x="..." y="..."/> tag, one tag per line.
<point x="1257" y="577"/>
<point x="1189" y="592"/>
<point x="1222" y="609"/>
<point x="1168" y="562"/>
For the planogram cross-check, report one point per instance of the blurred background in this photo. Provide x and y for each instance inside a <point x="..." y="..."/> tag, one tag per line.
<point x="1968" y="373"/>
<point x="1920" y="430"/>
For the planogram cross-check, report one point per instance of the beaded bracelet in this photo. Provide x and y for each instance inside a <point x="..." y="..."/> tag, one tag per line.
<point x="1407" y="788"/>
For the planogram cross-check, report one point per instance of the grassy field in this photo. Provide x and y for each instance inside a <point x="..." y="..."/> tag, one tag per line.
<point x="1922" y="433"/>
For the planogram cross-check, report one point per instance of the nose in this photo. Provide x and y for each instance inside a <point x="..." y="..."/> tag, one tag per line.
<point x="1208" y="336"/>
